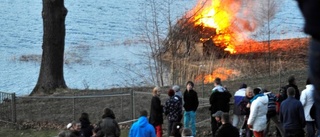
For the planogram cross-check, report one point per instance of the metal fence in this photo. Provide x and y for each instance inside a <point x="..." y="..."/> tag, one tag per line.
<point x="7" y="107"/>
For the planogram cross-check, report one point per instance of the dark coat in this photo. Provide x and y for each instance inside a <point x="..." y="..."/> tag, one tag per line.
<point x="173" y="109"/>
<point x="220" y="101"/>
<point x="86" y="127"/>
<point x="284" y="95"/>
<point x="156" y="110"/>
<point x="109" y="126"/>
<point x="292" y="114"/>
<point x="227" y="130"/>
<point x="191" y="101"/>
<point x="243" y="106"/>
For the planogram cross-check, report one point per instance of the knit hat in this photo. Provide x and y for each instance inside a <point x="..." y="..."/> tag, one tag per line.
<point x="217" y="114"/>
<point x="190" y="82"/>
<point x="176" y="88"/>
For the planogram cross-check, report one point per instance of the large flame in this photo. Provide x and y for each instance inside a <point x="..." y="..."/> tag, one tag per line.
<point x="218" y="14"/>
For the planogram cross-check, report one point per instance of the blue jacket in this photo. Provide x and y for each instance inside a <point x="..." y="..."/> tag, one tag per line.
<point x="292" y="114"/>
<point x="142" y="128"/>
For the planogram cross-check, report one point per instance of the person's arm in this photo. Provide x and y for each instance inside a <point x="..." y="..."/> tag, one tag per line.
<point x="301" y="114"/>
<point x="196" y="101"/>
<point x="303" y="98"/>
<point x="117" y="132"/>
<point x="253" y="113"/>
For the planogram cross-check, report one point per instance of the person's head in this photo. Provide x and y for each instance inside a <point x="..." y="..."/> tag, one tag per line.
<point x="225" y="118"/>
<point x="217" y="116"/>
<point x="84" y="117"/>
<point x="249" y="92"/>
<point x="171" y="92"/>
<point x="143" y="113"/>
<point x="256" y="91"/>
<point x="308" y="82"/>
<point x="189" y="85"/>
<point x="156" y="91"/>
<point x="76" y="126"/>
<point x="176" y="88"/>
<point x="291" y="91"/>
<point x="186" y="132"/>
<point x="217" y="81"/>
<point x="243" y="86"/>
<point x="107" y="112"/>
<point x="292" y="80"/>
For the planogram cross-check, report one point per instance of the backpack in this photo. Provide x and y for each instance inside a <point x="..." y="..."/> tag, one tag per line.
<point x="271" y="105"/>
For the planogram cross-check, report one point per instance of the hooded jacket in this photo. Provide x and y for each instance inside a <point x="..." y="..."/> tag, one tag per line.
<point x="108" y="125"/>
<point x="258" y="112"/>
<point x="218" y="88"/>
<point x="307" y="101"/>
<point x="238" y="97"/>
<point x="142" y="128"/>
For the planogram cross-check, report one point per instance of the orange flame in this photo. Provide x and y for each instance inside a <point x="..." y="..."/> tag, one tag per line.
<point x="218" y="14"/>
<point x="222" y="73"/>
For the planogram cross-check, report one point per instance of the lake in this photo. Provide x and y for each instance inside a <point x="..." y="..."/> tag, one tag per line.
<point x="102" y="44"/>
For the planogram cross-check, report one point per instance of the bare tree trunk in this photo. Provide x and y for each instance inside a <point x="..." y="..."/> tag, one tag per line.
<point x="51" y="71"/>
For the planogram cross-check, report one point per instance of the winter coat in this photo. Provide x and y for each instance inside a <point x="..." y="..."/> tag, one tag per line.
<point x="156" y="110"/>
<point x="292" y="114"/>
<point x="218" y="88"/>
<point x="238" y="97"/>
<point x="258" y="112"/>
<point x="191" y="101"/>
<point x="219" y="101"/>
<point x="243" y="106"/>
<point x="307" y="101"/>
<point x="108" y="125"/>
<point x="173" y="109"/>
<point x="86" y="127"/>
<point x="284" y="95"/>
<point x="142" y="128"/>
<point x="227" y="130"/>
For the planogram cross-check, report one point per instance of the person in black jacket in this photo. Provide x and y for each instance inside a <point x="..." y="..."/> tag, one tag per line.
<point x="191" y="104"/>
<point x="226" y="129"/>
<point x="109" y="126"/>
<point x="86" y="127"/>
<point x="156" y="112"/>
<point x="291" y="83"/>
<point x="219" y="100"/>
<point x="292" y="115"/>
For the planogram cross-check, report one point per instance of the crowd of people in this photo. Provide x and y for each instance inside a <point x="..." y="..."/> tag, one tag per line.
<point x="254" y="109"/>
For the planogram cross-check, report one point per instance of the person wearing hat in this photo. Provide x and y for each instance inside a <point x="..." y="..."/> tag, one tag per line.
<point x="219" y="100"/>
<point x="191" y="104"/>
<point x="238" y="96"/>
<point x="178" y="94"/>
<point x="173" y="110"/>
<point x="142" y="127"/>
<point x="217" y="117"/>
